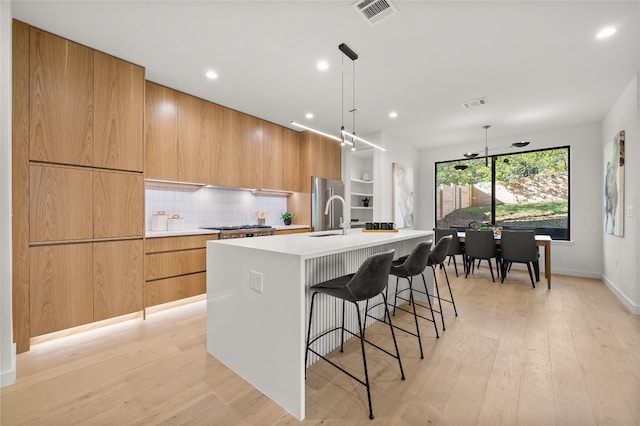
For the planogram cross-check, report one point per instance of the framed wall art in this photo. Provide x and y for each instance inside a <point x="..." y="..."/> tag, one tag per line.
<point x="614" y="186"/>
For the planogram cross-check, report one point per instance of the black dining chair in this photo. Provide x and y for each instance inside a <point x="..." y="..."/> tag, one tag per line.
<point x="518" y="247"/>
<point x="407" y="268"/>
<point x="480" y="245"/>
<point x="455" y="248"/>
<point x="369" y="281"/>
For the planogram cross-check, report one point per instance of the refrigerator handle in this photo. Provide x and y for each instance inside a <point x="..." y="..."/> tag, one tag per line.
<point x="331" y="209"/>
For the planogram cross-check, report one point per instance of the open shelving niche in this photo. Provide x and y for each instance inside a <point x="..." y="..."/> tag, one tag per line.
<point x="361" y="188"/>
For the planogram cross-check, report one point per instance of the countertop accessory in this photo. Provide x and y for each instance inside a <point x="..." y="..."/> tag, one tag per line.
<point x="159" y="221"/>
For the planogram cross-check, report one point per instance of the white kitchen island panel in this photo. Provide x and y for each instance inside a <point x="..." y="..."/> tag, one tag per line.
<point x="261" y="335"/>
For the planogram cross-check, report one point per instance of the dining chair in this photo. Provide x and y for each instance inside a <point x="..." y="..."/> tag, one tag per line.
<point x="480" y="245"/>
<point x="518" y="247"/>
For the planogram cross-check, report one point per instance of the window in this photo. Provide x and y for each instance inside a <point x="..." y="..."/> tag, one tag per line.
<point x="527" y="190"/>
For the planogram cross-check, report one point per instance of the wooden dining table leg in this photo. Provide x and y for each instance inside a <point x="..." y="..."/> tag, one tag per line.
<point x="547" y="263"/>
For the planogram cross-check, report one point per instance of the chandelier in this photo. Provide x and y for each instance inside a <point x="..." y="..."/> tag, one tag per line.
<point x="345" y="137"/>
<point x="471" y="155"/>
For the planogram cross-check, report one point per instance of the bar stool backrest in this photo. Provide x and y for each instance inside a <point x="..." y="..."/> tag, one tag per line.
<point x="440" y="251"/>
<point x="454" y="247"/>
<point x="372" y="276"/>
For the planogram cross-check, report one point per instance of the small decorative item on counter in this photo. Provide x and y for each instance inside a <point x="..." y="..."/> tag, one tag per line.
<point x="286" y="217"/>
<point x="159" y="221"/>
<point x="365" y="201"/>
<point x="261" y="216"/>
<point x="175" y="223"/>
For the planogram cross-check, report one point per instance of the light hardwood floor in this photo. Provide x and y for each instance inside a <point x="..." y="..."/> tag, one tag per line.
<point x="514" y="355"/>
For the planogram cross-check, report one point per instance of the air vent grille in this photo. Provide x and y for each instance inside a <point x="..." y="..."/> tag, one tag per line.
<point x="474" y="103"/>
<point x="374" y="11"/>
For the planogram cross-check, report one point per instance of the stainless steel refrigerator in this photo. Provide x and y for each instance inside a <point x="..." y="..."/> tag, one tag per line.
<point x="321" y="190"/>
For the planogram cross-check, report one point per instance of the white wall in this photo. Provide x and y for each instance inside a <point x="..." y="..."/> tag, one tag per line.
<point x="383" y="161"/>
<point x="621" y="267"/>
<point x="582" y="256"/>
<point x="7" y="348"/>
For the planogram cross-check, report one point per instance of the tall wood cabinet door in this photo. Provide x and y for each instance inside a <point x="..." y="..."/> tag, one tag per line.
<point x="61" y="287"/>
<point x="61" y="100"/>
<point x="320" y="156"/>
<point x="225" y="148"/>
<point x="117" y="278"/>
<point x="161" y="133"/>
<point x="118" y="204"/>
<point x="61" y="206"/>
<point x="291" y="160"/>
<point x="249" y="138"/>
<point x="119" y="108"/>
<point x="194" y="139"/>
<point x="273" y="160"/>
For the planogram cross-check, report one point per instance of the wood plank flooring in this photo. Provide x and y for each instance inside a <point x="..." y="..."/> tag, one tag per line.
<point x="514" y="355"/>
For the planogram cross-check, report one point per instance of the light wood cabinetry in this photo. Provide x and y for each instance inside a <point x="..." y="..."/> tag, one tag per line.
<point x="118" y="204"/>
<point x="117" y="278"/>
<point x="175" y="268"/>
<point x="63" y="296"/>
<point x="118" y="116"/>
<point x="281" y="158"/>
<point x="161" y="130"/>
<point x="193" y="139"/>
<point x="292" y="231"/>
<point x="319" y="156"/>
<point x="61" y="203"/>
<point x="61" y="100"/>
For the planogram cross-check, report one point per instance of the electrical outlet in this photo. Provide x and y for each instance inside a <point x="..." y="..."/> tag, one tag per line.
<point x="630" y="211"/>
<point x="257" y="282"/>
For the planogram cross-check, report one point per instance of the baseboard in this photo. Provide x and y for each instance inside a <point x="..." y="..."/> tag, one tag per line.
<point x="9" y="377"/>
<point x="632" y="307"/>
<point x="574" y="273"/>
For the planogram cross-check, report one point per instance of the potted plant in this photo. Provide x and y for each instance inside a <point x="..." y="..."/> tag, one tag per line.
<point x="286" y="217"/>
<point x="365" y="201"/>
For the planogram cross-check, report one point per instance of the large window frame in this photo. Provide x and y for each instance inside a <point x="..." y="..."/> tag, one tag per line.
<point x="555" y="232"/>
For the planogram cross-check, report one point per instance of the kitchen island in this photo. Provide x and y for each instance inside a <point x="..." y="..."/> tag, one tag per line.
<point x="258" y="300"/>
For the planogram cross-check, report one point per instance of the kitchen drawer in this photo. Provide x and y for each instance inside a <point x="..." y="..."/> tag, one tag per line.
<point x="174" y="263"/>
<point x="163" y="244"/>
<point x="292" y="231"/>
<point x="170" y="289"/>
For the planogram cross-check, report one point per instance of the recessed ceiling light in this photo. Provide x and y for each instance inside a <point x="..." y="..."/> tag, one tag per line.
<point x="606" y="32"/>
<point x="309" y="115"/>
<point x="393" y="114"/>
<point x="211" y="74"/>
<point x="323" y="65"/>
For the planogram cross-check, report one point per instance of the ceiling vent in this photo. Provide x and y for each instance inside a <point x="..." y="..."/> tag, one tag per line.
<point x="474" y="103"/>
<point x="374" y="11"/>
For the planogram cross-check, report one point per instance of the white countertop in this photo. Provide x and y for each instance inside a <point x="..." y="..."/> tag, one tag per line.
<point x="307" y="245"/>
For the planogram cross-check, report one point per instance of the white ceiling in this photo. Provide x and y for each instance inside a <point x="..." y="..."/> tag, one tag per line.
<point x="538" y="63"/>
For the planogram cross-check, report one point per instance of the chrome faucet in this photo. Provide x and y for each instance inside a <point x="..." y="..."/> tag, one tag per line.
<point x="326" y="210"/>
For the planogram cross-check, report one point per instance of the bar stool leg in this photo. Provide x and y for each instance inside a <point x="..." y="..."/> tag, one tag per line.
<point x="453" y="302"/>
<point x="433" y="317"/>
<point x="393" y="335"/>
<point x="415" y="315"/>
<point x="342" y="328"/>
<point x="364" y="360"/>
<point x="306" y="352"/>
<point x="435" y="284"/>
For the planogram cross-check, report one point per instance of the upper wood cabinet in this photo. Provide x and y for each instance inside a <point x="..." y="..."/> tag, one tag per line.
<point x="161" y="133"/>
<point x="118" y="204"/>
<point x="61" y="100"/>
<point x="61" y="205"/>
<point x="194" y="139"/>
<point x="281" y="158"/>
<point x="319" y="156"/>
<point x="118" y="117"/>
<point x="236" y="155"/>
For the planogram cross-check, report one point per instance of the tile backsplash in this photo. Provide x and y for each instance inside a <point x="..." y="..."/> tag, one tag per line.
<point x="212" y="206"/>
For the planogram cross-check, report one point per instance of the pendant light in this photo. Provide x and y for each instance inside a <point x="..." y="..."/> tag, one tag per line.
<point x="471" y="155"/>
<point x="345" y="136"/>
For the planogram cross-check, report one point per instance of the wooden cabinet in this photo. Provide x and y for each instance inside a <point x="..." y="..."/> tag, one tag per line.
<point x="161" y="130"/>
<point x="117" y="278"/>
<point x="175" y="268"/>
<point x="237" y="154"/>
<point x="62" y="287"/>
<point x="281" y="159"/>
<point x="292" y="231"/>
<point x="61" y="100"/>
<point x="193" y="139"/>
<point x="61" y="205"/>
<point x="319" y="156"/>
<point x="118" y="204"/>
<point x="118" y="88"/>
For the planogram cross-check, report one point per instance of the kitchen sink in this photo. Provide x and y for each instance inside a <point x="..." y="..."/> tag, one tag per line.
<point x="323" y="235"/>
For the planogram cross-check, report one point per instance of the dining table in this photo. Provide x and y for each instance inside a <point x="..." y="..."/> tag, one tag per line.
<point x="541" y="241"/>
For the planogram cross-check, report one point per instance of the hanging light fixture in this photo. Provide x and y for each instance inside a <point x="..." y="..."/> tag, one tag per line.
<point x="345" y="136"/>
<point x="471" y="155"/>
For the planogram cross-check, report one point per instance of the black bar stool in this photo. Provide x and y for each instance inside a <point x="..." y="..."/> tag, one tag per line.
<point x="407" y="268"/>
<point x="437" y="257"/>
<point x="369" y="281"/>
